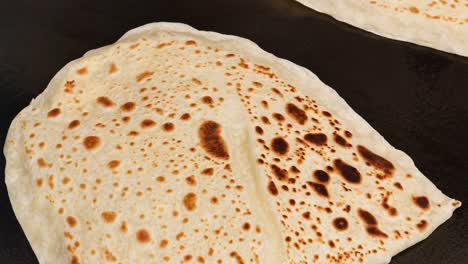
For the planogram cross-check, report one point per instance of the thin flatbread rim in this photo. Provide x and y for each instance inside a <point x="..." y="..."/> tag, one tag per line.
<point x="305" y="80"/>
<point x="415" y="30"/>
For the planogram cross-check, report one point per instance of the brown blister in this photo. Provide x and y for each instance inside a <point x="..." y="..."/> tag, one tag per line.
<point x="211" y="140"/>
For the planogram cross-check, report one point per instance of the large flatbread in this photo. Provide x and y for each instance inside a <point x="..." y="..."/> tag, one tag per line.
<point x="177" y="145"/>
<point x="441" y="25"/>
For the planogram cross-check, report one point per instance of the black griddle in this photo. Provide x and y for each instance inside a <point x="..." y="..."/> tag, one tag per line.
<point x="416" y="97"/>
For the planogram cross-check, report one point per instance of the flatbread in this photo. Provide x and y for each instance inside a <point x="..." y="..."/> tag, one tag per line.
<point x="175" y="145"/>
<point x="441" y="25"/>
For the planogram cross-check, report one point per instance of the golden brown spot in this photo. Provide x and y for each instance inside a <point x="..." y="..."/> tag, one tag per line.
<point x="112" y="68"/>
<point x="208" y="172"/>
<point x="196" y="81"/>
<point x="42" y="163"/>
<point x="109" y="217"/>
<point x="113" y="164"/>
<point x="246" y="226"/>
<point x="39" y="182"/>
<point x="105" y="101"/>
<point x="185" y="116"/>
<point x="276" y="91"/>
<point x="280" y="146"/>
<point x="54" y="112"/>
<point x="71" y="221"/>
<point x="340" y="223"/>
<point x="190" y="201"/>
<point x="123" y="227"/>
<point x="133" y="133"/>
<point x="191" y="181"/>
<point x="91" y="142"/>
<point x="163" y="243"/>
<point x="143" y="236"/>
<point x="190" y="43"/>
<point x="168" y="127"/>
<point x="265" y="120"/>
<point x="75" y="260"/>
<point x="73" y="124"/>
<point x="82" y="71"/>
<point x="147" y="123"/>
<point x="414" y="10"/>
<point x="66" y="180"/>
<point x="279" y="117"/>
<point x="140" y="77"/>
<point x="272" y="188"/>
<point x="318" y="139"/>
<point x="69" y="85"/>
<point x="376" y="161"/>
<point x="422" y="202"/>
<point x="127" y="107"/>
<point x="237" y="257"/>
<point x="211" y="140"/>
<point x="296" y="113"/>
<point x="421" y="225"/>
<point x="207" y="100"/>
<point x="109" y="256"/>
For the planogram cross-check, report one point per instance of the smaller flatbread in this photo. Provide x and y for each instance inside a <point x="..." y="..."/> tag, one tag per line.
<point x="441" y="25"/>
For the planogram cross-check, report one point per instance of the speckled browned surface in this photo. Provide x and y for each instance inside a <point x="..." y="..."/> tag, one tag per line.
<point x="415" y="97"/>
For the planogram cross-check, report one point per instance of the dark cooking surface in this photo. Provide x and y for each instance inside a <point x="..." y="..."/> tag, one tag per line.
<point x="416" y="97"/>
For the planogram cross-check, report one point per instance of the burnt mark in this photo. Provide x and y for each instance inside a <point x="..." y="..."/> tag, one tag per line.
<point x="265" y="120"/>
<point x="367" y="217"/>
<point x="211" y="140"/>
<point x="259" y="130"/>
<point x="371" y="224"/>
<point x="296" y="113"/>
<point x="281" y="174"/>
<point x="376" y="161"/>
<point x="321" y="176"/>
<point x="272" y="188"/>
<point x="278" y="117"/>
<point x="318" y="139"/>
<point x="341" y="141"/>
<point x="340" y="223"/>
<point x="319" y="188"/>
<point x="421" y="225"/>
<point x="376" y="232"/>
<point x="422" y="202"/>
<point x="351" y="174"/>
<point x="348" y="134"/>
<point x="208" y="172"/>
<point x="280" y="146"/>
